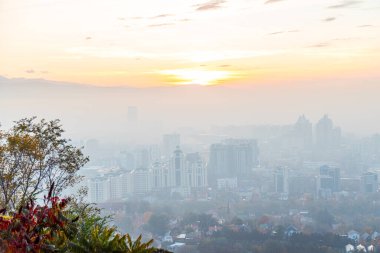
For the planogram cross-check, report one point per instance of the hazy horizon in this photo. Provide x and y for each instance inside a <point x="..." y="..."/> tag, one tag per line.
<point x="197" y="64"/>
<point x="101" y="112"/>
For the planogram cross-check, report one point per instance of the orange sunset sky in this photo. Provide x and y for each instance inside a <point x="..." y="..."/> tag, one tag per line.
<point x="163" y="42"/>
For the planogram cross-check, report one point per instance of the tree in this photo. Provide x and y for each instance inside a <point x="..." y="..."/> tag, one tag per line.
<point x="206" y="221"/>
<point x="36" y="228"/>
<point x="158" y="224"/>
<point x="33" y="155"/>
<point x="52" y="228"/>
<point x="237" y="221"/>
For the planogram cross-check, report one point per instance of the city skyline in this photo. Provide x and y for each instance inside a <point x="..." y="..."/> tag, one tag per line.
<point x="203" y="126"/>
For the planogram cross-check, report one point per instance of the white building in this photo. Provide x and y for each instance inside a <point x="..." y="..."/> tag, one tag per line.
<point x="126" y="184"/>
<point x="160" y="176"/>
<point x="99" y="189"/>
<point x="227" y="183"/>
<point x="188" y="173"/>
<point x="140" y="181"/>
<point x="195" y="173"/>
<point x="115" y="186"/>
<point x="281" y="180"/>
<point x="369" y="182"/>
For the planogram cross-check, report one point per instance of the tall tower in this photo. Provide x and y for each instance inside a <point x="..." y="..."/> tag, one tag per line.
<point x="328" y="181"/>
<point x="232" y="158"/>
<point x="303" y="133"/>
<point x="326" y="136"/>
<point x="170" y="142"/>
<point x="177" y="168"/>
<point x="281" y="180"/>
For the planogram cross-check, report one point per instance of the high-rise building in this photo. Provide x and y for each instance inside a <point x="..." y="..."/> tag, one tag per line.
<point x="196" y="174"/>
<point x="227" y="183"/>
<point x="126" y="184"/>
<point x="303" y="133"/>
<point x="326" y="135"/>
<point x="116" y="182"/>
<point x="369" y="182"/>
<point x="232" y="158"/>
<point x="140" y="179"/>
<point x="98" y="189"/>
<point x="187" y="174"/>
<point x="177" y="168"/>
<point x="281" y="180"/>
<point x="170" y="143"/>
<point x="328" y="181"/>
<point x="160" y="177"/>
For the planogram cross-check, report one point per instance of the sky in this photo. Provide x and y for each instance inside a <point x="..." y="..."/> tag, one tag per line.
<point x="167" y="43"/>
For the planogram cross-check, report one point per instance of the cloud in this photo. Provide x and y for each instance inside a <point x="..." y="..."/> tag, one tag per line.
<point x="344" y="4"/>
<point x="33" y="71"/>
<point x="224" y="66"/>
<point x="365" y="26"/>
<point x="161" y="24"/>
<point x="193" y="56"/>
<point x="162" y="16"/>
<point x="88" y="38"/>
<point x="272" y="1"/>
<point x="346" y="39"/>
<point x="275" y="33"/>
<point x="329" y="19"/>
<point x="211" y="5"/>
<point x="321" y="45"/>
<point x="281" y="32"/>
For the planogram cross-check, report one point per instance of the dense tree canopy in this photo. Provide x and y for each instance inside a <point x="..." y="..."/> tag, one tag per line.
<point x="33" y="155"/>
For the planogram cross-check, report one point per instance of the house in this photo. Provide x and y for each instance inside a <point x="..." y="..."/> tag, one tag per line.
<point x="290" y="231"/>
<point x="365" y="237"/>
<point x="353" y="235"/>
<point x="361" y="248"/>
<point x="180" y="238"/>
<point x="375" y="235"/>
<point x="175" y="246"/>
<point x="350" y="248"/>
<point x="167" y="239"/>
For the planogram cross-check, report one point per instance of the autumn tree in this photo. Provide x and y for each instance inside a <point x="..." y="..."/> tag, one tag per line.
<point x="33" y="155"/>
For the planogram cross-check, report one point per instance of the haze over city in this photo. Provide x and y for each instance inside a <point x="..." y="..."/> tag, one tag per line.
<point x="220" y="126"/>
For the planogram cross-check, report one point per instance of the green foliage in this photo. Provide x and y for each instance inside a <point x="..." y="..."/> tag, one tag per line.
<point x="158" y="224"/>
<point x="51" y="228"/>
<point x="231" y="241"/>
<point x="139" y="247"/>
<point x="33" y="154"/>
<point x="204" y="221"/>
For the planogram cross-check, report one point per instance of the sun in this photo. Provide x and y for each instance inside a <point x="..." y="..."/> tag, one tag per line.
<point x="196" y="76"/>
